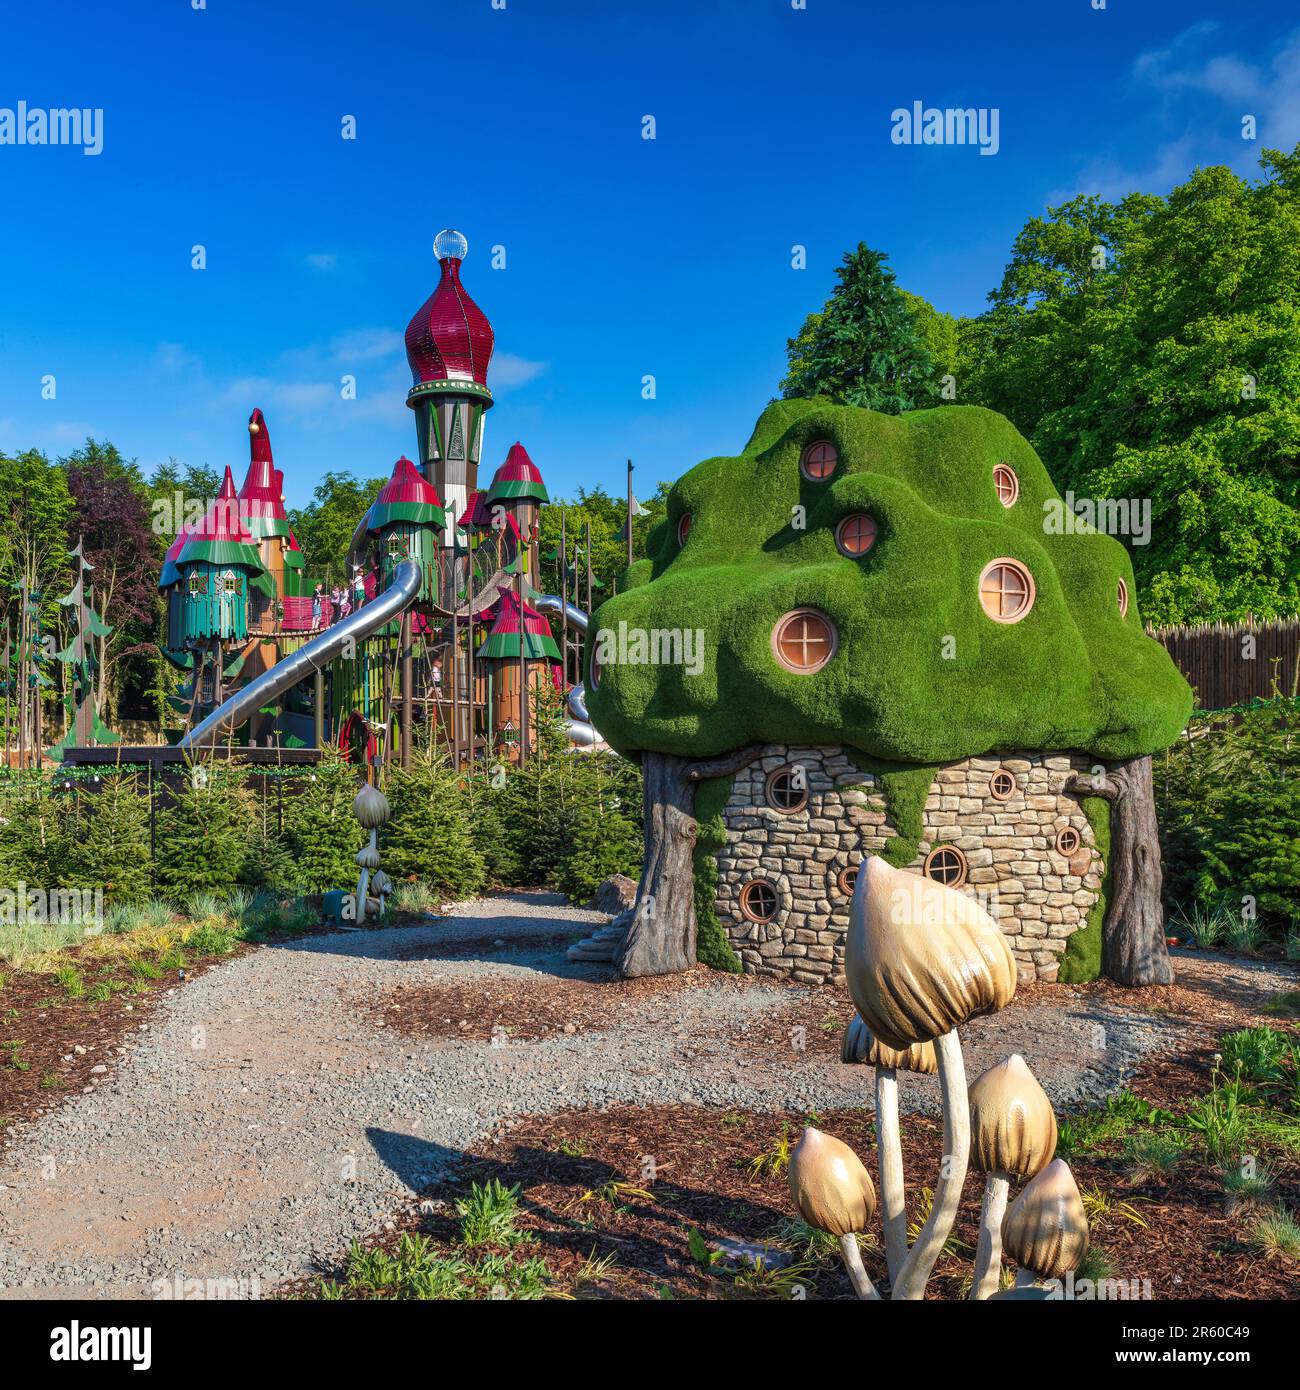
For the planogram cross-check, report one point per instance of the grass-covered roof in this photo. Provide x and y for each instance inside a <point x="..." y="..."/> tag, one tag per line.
<point x="921" y="673"/>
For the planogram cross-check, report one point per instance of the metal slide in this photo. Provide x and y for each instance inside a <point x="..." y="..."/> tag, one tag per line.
<point x="311" y="657"/>
<point x="580" y="729"/>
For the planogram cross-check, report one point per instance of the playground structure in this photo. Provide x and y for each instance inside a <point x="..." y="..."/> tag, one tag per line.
<point x="441" y="623"/>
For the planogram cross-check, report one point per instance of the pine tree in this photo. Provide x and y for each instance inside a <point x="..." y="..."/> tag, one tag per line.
<point x="429" y="836"/>
<point x="113" y="850"/>
<point x="865" y="348"/>
<point x="322" y="831"/>
<point x="201" y="833"/>
<point x="36" y="846"/>
<point x="267" y="861"/>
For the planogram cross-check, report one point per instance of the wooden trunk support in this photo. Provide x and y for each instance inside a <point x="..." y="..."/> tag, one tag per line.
<point x="1133" y="936"/>
<point x="661" y="939"/>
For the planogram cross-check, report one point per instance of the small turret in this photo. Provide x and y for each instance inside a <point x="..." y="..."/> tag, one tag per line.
<point x="408" y="520"/>
<point x="217" y="564"/>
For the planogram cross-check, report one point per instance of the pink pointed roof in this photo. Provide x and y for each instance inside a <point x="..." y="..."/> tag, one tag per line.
<point x="518" y="467"/>
<point x="408" y="484"/>
<point x="223" y="521"/>
<point x="449" y="337"/>
<point x="262" y="495"/>
<point x="507" y="616"/>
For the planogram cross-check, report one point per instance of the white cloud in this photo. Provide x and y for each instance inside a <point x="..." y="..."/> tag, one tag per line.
<point x="321" y="260"/>
<point x="508" y="371"/>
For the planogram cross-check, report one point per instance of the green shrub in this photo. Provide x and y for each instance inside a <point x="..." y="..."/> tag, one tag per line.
<point x="201" y="833"/>
<point x="428" y="835"/>
<point x="112" y="850"/>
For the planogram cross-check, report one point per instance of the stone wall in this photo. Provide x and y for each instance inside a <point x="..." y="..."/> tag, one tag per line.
<point x="1038" y="895"/>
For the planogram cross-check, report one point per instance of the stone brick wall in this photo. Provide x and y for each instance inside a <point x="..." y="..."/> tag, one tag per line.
<point x="1038" y="895"/>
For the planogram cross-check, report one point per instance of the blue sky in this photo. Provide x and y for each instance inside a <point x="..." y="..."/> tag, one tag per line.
<point x="522" y="127"/>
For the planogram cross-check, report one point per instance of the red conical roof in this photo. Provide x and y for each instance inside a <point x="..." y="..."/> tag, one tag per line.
<point x="476" y="514"/>
<point x="408" y="484"/>
<point x="222" y="520"/>
<point x="518" y="476"/>
<point x="449" y="337"/>
<point x="262" y="495"/>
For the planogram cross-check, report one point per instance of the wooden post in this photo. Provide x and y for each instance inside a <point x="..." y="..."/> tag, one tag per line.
<point x="629" y="512"/>
<point x="469" y="650"/>
<point x="523" y="672"/>
<point x="564" y="604"/>
<point x="587" y="546"/>
<point x="455" y="681"/>
<point x="318" y="707"/>
<point x="408" y="691"/>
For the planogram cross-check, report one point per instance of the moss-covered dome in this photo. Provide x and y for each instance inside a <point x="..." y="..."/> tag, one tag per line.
<point x="920" y="673"/>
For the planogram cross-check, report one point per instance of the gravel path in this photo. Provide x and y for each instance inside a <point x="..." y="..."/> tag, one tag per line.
<point x="266" y="1117"/>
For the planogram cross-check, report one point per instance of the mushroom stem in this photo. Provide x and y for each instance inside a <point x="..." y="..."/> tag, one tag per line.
<point x="1026" y="1278"/>
<point x="858" y="1275"/>
<point x="988" y="1250"/>
<point x="889" y="1151"/>
<point x="916" y="1269"/>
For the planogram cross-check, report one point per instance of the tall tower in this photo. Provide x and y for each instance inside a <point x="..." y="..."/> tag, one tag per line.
<point x="449" y="345"/>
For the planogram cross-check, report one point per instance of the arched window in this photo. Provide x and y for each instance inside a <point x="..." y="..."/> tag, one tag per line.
<point x="1068" y="841"/>
<point x="759" y="900"/>
<point x="1121" y="597"/>
<point x="804" y="640"/>
<point x="819" y="461"/>
<point x="683" y="528"/>
<point x="787" y="790"/>
<point x="946" y="864"/>
<point x="1007" y="485"/>
<point x="1006" y="590"/>
<point x="856" y="534"/>
<point x="1002" y="785"/>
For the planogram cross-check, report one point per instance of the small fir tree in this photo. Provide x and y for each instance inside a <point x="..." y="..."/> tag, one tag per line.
<point x="201" y="833"/>
<point x="113" y="851"/>
<point x="428" y="835"/>
<point x="322" y="831"/>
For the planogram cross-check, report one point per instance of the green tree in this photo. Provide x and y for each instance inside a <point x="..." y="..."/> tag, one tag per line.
<point x="865" y="347"/>
<point x="112" y="850"/>
<point x="324" y="527"/>
<point x="429" y="835"/>
<point x="322" y="831"/>
<point x="201" y="833"/>
<point x="1150" y="349"/>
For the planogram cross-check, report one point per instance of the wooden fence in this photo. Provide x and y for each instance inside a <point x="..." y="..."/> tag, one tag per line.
<point x="1230" y="664"/>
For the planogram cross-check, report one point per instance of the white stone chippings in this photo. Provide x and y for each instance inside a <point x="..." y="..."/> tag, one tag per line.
<point x="1039" y="897"/>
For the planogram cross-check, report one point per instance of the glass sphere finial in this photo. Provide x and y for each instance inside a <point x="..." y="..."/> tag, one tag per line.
<point x="450" y="244"/>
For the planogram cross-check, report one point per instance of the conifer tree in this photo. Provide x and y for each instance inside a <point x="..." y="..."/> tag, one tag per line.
<point x="322" y="831"/>
<point x="112" y="852"/>
<point x="865" y="346"/>
<point x="428" y="835"/>
<point x="201" y="833"/>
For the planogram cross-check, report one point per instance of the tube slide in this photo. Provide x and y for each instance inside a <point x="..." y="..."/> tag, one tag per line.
<point x="580" y="729"/>
<point x="315" y="655"/>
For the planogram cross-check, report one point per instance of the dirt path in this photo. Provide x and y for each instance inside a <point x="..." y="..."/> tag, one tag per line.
<point x="298" y="1095"/>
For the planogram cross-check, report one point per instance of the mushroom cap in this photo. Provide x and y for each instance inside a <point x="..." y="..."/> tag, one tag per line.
<point x="1045" y="1228"/>
<point x="921" y="958"/>
<point x="1013" y="1127"/>
<point x="370" y="806"/>
<point x="367" y="857"/>
<point x="831" y="1189"/>
<point x="381" y="883"/>
<point x="861" y="1045"/>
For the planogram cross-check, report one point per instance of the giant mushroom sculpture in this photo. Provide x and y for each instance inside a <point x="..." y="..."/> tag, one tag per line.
<point x="1014" y="1135"/>
<point x="832" y="1191"/>
<point x="920" y="959"/>
<point x="1046" y="1229"/>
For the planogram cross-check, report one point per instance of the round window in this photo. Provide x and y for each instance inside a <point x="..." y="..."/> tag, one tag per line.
<point x="819" y="460"/>
<point x="1007" y="485"/>
<point x="683" y="528"/>
<point x="595" y="670"/>
<point x="1121" y="597"/>
<point x="856" y="534"/>
<point x="847" y="879"/>
<point x="1068" y="841"/>
<point x="804" y="640"/>
<point x="1002" y="785"/>
<point x="946" y="864"/>
<point x="1006" y="590"/>
<point x="759" y="900"/>
<point x="787" y="790"/>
